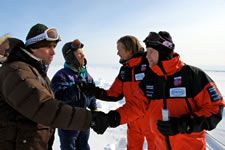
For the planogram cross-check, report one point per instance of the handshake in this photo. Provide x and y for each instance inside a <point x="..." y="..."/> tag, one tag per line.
<point x="101" y="121"/>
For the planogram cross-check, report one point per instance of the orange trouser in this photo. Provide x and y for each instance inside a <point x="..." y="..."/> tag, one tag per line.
<point x="137" y="132"/>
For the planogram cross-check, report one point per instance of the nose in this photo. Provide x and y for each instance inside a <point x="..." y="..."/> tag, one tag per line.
<point x="52" y="50"/>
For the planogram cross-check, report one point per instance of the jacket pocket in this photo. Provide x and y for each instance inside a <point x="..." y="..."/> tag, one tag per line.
<point x="37" y="138"/>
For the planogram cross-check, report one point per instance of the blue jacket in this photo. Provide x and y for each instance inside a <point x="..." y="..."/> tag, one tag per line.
<point x="65" y="87"/>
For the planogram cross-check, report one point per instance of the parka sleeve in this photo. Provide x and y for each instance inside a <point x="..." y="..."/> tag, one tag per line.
<point x="113" y="94"/>
<point x="209" y="102"/>
<point x="26" y="94"/>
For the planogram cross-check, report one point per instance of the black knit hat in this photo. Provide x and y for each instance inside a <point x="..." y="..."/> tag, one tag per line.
<point x="68" y="54"/>
<point x="162" y="42"/>
<point x="37" y="30"/>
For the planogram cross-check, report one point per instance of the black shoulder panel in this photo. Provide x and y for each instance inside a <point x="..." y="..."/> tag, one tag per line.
<point x="125" y="74"/>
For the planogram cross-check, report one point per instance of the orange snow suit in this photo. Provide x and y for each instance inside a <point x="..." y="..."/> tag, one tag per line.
<point x="188" y="91"/>
<point x="133" y="111"/>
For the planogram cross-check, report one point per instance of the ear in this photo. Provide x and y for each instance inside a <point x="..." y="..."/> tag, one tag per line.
<point x="130" y="52"/>
<point x="31" y="50"/>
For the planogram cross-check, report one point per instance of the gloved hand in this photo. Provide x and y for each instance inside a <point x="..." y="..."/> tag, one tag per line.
<point x="88" y="88"/>
<point x="175" y="126"/>
<point x="114" y="118"/>
<point x="99" y="122"/>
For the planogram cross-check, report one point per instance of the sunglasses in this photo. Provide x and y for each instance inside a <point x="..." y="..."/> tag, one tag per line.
<point x="50" y="34"/>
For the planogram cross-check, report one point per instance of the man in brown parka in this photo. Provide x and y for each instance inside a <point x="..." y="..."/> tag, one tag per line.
<point x="28" y="109"/>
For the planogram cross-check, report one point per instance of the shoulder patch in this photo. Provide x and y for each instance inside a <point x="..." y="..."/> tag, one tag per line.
<point x="125" y="74"/>
<point x="214" y="94"/>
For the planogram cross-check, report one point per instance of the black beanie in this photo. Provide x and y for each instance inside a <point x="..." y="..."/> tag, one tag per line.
<point x="68" y="54"/>
<point x="162" y="42"/>
<point x="36" y="30"/>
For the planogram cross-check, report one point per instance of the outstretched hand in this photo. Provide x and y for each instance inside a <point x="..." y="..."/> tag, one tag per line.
<point x="88" y="88"/>
<point x="99" y="122"/>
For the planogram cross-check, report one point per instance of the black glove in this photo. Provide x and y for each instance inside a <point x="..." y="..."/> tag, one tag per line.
<point x="99" y="122"/>
<point x="88" y="88"/>
<point x="175" y="126"/>
<point x="114" y="118"/>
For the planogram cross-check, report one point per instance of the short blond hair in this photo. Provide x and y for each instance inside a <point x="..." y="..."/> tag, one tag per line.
<point x="4" y="38"/>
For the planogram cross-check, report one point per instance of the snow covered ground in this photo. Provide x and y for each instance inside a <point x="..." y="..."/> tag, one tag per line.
<point x="115" y="138"/>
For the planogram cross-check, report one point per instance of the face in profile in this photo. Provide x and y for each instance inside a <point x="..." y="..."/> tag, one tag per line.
<point x="79" y="54"/>
<point x="45" y="53"/>
<point x="123" y="53"/>
<point x="152" y="56"/>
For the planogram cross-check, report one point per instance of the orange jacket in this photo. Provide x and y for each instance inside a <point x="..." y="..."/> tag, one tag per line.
<point x="133" y="111"/>
<point x="125" y="84"/>
<point x="188" y="91"/>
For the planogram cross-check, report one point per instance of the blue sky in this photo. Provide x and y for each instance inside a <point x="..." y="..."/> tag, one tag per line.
<point x="197" y="26"/>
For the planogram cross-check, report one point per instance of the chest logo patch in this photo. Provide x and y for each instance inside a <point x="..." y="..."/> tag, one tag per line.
<point x="178" y="92"/>
<point x="139" y="76"/>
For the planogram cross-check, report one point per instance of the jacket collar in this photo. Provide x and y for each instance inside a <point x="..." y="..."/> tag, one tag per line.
<point x="66" y="65"/>
<point x="135" y="60"/>
<point x="170" y="66"/>
<point x="20" y="54"/>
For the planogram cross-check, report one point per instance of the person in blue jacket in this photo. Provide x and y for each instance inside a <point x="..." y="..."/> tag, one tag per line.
<point x="65" y="85"/>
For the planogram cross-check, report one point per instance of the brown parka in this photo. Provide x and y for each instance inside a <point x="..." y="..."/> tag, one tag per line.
<point x="28" y="110"/>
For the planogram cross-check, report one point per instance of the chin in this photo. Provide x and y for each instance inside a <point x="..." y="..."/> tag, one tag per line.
<point x="151" y="64"/>
<point x="82" y="64"/>
<point x="47" y="62"/>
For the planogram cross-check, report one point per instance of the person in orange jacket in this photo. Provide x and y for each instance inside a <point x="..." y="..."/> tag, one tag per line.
<point x="132" y="71"/>
<point x="184" y="101"/>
